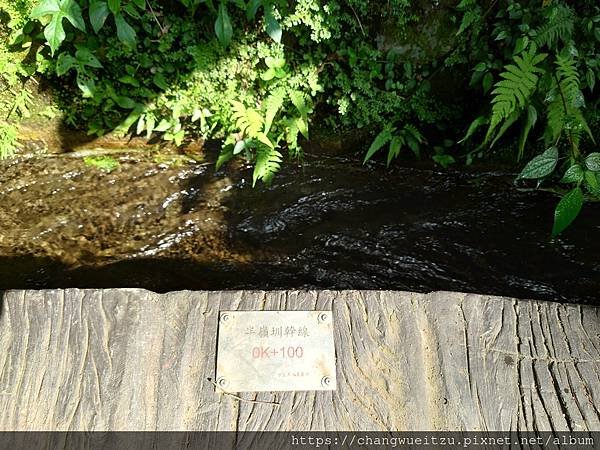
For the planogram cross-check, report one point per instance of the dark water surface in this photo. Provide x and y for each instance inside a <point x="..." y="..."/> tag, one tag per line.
<point x="329" y="224"/>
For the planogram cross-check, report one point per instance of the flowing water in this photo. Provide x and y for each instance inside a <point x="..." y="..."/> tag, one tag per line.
<point x="330" y="223"/>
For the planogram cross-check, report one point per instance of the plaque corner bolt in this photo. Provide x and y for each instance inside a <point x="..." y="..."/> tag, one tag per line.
<point x="323" y="317"/>
<point x="225" y="317"/>
<point x="222" y="382"/>
<point x="326" y="381"/>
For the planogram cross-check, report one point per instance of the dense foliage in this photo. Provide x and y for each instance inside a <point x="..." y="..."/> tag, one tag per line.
<point x="547" y="69"/>
<point x="260" y="74"/>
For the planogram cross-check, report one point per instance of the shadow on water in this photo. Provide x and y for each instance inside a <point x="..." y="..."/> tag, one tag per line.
<point x="331" y="224"/>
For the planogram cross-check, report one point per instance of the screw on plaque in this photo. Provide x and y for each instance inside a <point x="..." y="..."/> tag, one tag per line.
<point x="323" y="317"/>
<point x="326" y="381"/>
<point x="222" y="382"/>
<point x="225" y="317"/>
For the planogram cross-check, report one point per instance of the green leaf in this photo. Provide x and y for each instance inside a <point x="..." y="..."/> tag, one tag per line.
<point x="240" y="146"/>
<point x="249" y="121"/>
<point x="64" y="63"/>
<point x="130" y="9"/>
<point x="197" y="115"/>
<point x="583" y="123"/>
<point x="302" y="124"/>
<point x="488" y="80"/>
<point x="59" y="10"/>
<point x="573" y="175"/>
<point x="72" y="11"/>
<point x="263" y="138"/>
<point x="179" y="137"/>
<point x="98" y="15"/>
<point x="55" y="33"/>
<point x="268" y="161"/>
<point x="591" y="182"/>
<point x="592" y="162"/>
<point x="159" y="80"/>
<point x="273" y="104"/>
<point x="273" y="27"/>
<point x="395" y="147"/>
<point x="114" y="6"/>
<point x="275" y="63"/>
<point x="541" y="166"/>
<point x="45" y="8"/>
<point x="513" y="92"/>
<point x="469" y="18"/>
<point x="163" y="125"/>
<point x="521" y="44"/>
<point x="530" y="122"/>
<point x="567" y="210"/>
<point x="510" y="120"/>
<point x="125" y="102"/>
<point x="141" y="125"/>
<point x="252" y="8"/>
<point x="87" y="86"/>
<point x="502" y="35"/>
<point x="128" y="79"/>
<point x="125" y="32"/>
<point x="150" y="124"/>
<point x="478" y="122"/>
<point x="444" y="160"/>
<point x="591" y="78"/>
<point x="414" y="145"/>
<point x="85" y="57"/>
<point x="382" y="138"/>
<point x="299" y="101"/>
<point x="223" y="27"/>
<point x="225" y="156"/>
<point x="268" y="75"/>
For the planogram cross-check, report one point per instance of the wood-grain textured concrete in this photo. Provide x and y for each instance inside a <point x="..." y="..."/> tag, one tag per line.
<point x="129" y="359"/>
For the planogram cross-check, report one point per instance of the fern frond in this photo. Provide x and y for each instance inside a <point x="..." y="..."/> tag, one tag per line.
<point x="413" y="138"/>
<point x="299" y="100"/>
<point x="248" y="120"/>
<point x="292" y="132"/>
<point x="268" y="162"/>
<point x="470" y="18"/>
<point x="555" y="114"/>
<point x="8" y="140"/>
<point x="513" y="92"/>
<point x="304" y="107"/>
<point x="576" y="134"/>
<point x="414" y="132"/>
<point x="566" y="70"/>
<point x="558" y="26"/>
<point x="581" y="125"/>
<point x="272" y="105"/>
<point x="565" y="103"/>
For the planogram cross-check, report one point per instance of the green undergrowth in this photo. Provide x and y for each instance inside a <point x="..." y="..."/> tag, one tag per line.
<point x="454" y="82"/>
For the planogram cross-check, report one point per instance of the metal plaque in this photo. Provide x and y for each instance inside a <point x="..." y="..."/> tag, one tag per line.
<point x="275" y="351"/>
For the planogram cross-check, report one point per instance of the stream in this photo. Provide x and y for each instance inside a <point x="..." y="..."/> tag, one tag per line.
<point x="329" y="224"/>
